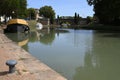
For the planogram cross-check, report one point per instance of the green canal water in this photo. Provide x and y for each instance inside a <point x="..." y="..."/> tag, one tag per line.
<point x="75" y="54"/>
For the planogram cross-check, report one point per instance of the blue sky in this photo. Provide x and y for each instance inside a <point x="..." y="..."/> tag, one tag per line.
<point x="64" y="7"/>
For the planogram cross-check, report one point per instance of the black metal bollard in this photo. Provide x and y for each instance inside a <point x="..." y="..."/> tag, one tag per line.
<point x="11" y="64"/>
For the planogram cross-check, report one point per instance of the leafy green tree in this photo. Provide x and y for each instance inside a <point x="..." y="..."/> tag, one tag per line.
<point x="14" y="8"/>
<point x="89" y="19"/>
<point x="22" y="12"/>
<point x="31" y="13"/>
<point x="8" y="6"/>
<point x="108" y="11"/>
<point x="47" y="12"/>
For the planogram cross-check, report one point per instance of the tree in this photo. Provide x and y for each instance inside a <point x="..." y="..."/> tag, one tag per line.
<point x="47" y="12"/>
<point x="10" y="7"/>
<point x="31" y="13"/>
<point x="89" y="19"/>
<point x="76" y="18"/>
<point x="58" y="19"/>
<point x="22" y="12"/>
<point x="108" y="11"/>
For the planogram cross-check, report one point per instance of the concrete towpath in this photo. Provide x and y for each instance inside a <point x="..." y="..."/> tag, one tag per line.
<point x="27" y="68"/>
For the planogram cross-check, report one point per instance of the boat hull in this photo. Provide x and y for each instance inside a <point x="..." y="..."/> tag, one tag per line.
<point x="17" y="25"/>
<point x="16" y="28"/>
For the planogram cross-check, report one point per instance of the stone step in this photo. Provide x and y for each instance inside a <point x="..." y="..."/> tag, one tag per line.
<point x="1" y="31"/>
<point x="4" y="39"/>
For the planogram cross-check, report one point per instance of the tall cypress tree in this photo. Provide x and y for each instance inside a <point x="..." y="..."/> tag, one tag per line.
<point x="76" y="18"/>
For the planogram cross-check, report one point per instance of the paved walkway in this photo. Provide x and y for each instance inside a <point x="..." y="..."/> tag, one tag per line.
<point x="27" y="68"/>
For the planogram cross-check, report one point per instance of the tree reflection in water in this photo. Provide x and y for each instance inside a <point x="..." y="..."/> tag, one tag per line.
<point x="20" y="38"/>
<point x="44" y="36"/>
<point x="102" y="63"/>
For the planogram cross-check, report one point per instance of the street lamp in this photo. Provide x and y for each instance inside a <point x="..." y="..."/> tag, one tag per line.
<point x="13" y="14"/>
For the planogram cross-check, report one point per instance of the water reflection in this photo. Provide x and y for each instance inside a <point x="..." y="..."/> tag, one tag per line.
<point x="78" y="54"/>
<point x="103" y="63"/>
<point x="45" y="36"/>
<point x="66" y="51"/>
<point x="21" y="38"/>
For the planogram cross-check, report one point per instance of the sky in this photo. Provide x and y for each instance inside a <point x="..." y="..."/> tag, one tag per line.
<point x="64" y="7"/>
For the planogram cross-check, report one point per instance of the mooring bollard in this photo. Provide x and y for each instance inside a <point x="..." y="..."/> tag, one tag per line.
<point x="11" y="64"/>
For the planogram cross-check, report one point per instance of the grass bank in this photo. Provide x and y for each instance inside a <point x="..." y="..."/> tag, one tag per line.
<point x="32" y="24"/>
<point x="100" y="27"/>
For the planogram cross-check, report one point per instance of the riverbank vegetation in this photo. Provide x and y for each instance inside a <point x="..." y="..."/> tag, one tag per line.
<point x="100" y="27"/>
<point x="32" y="24"/>
<point x="107" y="11"/>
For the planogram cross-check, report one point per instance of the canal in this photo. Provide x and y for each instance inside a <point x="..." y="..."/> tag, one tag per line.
<point x="75" y="54"/>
